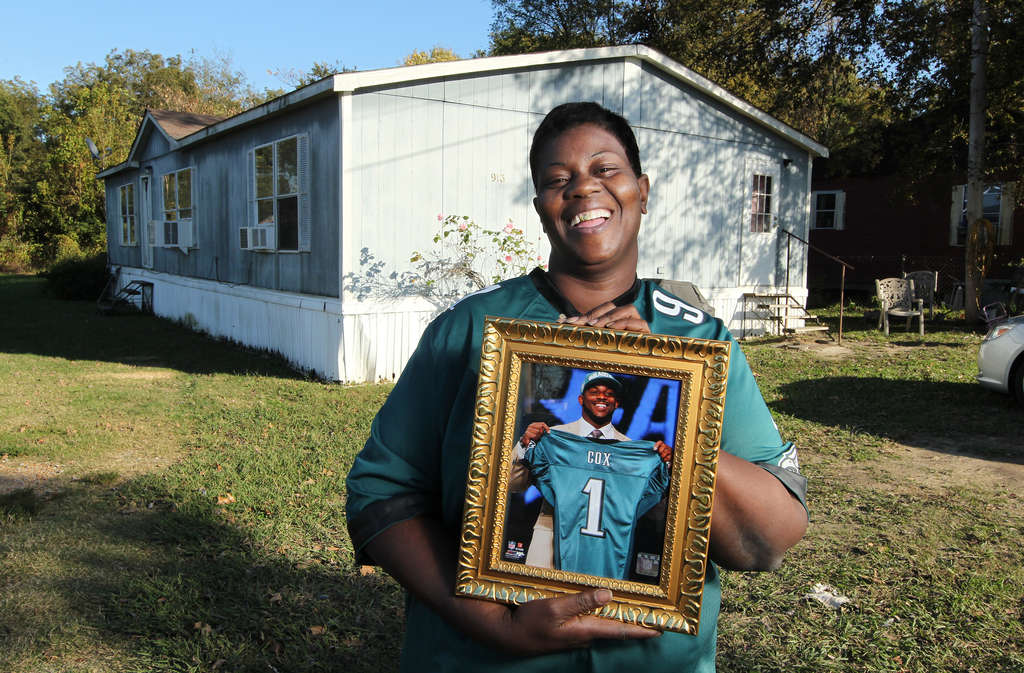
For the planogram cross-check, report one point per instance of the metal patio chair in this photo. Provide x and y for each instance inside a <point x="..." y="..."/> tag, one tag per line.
<point x="896" y="299"/>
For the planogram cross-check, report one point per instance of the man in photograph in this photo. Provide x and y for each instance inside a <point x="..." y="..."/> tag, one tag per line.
<point x="599" y="398"/>
<point x="636" y="480"/>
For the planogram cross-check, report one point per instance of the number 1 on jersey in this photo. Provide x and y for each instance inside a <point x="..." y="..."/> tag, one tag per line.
<point x="595" y="489"/>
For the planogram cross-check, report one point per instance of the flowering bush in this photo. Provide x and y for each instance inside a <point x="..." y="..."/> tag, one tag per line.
<point x="466" y="257"/>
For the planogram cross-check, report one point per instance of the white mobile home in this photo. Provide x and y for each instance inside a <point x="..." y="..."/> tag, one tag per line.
<point x="252" y="227"/>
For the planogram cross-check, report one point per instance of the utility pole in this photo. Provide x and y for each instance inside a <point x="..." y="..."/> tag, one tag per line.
<point x="975" y="164"/>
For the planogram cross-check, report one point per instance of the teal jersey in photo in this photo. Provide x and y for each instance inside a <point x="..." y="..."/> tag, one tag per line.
<point x="598" y="489"/>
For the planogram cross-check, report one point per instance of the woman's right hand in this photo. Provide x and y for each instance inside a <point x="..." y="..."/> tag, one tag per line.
<point x="551" y="624"/>
<point x="421" y="556"/>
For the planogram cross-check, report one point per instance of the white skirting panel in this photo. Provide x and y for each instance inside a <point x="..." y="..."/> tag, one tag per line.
<point x="381" y="336"/>
<point x="728" y="305"/>
<point x="368" y="341"/>
<point x="305" y="329"/>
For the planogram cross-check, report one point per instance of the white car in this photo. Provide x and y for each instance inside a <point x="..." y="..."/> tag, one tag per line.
<point x="1001" y="358"/>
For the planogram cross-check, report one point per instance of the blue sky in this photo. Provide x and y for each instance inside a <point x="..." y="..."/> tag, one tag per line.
<point x="38" y="39"/>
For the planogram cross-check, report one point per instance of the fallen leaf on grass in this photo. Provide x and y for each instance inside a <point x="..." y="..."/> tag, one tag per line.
<point x="276" y="597"/>
<point x="225" y="499"/>
<point x="317" y="630"/>
<point x="366" y="570"/>
<point x="203" y="628"/>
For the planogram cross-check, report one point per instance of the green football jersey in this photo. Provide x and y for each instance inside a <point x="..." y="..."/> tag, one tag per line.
<point x="416" y="459"/>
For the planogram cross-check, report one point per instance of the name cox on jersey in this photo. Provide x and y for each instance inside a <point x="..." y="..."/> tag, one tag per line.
<point x="599" y="458"/>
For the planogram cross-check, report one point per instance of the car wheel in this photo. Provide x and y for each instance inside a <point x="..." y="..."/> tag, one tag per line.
<point x="1017" y="380"/>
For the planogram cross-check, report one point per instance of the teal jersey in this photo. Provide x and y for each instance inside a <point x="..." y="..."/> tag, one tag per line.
<point x="597" y="489"/>
<point x="416" y="459"/>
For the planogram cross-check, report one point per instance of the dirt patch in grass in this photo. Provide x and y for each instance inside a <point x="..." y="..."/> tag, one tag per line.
<point x="820" y="348"/>
<point x="47" y="477"/>
<point x="137" y="375"/>
<point x="937" y="466"/>
<point x="17" y="474"/>
<point x="939" y="462"/>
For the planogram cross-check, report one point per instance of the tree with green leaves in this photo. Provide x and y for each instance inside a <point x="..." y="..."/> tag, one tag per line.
<point x="21" y="156"/>
<point x="925" y="47"/>
<point x="67" y="198"/>
<point x="437" y="54"/>
<point x="522" y="26"/>
<point x="50" y="199"/>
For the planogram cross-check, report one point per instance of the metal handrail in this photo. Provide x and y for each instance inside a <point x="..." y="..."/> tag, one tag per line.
<point x="842" y="284"/>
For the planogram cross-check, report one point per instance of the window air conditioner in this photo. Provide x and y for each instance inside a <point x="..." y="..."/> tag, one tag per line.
<point x="185" y="234"/>
<point x="256" y="238"/>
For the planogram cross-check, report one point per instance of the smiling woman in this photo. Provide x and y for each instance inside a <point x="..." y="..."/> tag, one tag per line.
<point x="406" y="490"/>
<point x="591" y="193"/>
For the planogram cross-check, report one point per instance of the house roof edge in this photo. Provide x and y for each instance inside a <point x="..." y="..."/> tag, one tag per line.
<point x="350" y="82"/>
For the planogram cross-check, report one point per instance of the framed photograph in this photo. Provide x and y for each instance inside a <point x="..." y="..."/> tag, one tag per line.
<point x="593" y="465"/>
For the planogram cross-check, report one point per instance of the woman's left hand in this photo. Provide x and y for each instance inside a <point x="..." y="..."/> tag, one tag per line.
<point x="612" y="317"/>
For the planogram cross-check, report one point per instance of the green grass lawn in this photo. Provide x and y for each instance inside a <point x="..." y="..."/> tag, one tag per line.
<point x="169" y="502"/>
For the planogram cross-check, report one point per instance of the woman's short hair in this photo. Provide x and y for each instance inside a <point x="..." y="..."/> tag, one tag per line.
<point x="568" y="116"/>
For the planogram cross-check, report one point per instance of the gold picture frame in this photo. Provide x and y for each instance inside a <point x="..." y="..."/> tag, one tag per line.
<point x="520" y="362"/>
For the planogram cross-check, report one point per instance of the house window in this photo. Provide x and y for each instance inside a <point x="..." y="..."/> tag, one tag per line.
<point x="280" y="196"/>
<point x="177" y="188"/>
<point x="827" y="209"/>
<point x="127" y="210"/>
<point x="761" y="204"/>
<point x="997" y="202"/>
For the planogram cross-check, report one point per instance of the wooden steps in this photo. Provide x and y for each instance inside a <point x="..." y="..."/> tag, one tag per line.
<point x="775" y="312"/>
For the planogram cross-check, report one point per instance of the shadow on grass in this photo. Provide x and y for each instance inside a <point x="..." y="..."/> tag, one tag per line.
<point x="184" y="589"/>
<point x="964" y="416"/>
<point x="75" y="330"/>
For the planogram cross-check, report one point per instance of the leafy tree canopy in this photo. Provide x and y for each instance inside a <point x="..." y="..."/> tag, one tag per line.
<point x="437" y="54"/>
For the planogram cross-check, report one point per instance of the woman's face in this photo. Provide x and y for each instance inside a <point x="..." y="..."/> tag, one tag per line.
<point x="590" y="202"/>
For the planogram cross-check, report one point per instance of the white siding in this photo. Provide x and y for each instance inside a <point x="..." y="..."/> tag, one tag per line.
<point x="415" y="159"/>
<point x="691" y="231"/>
<point x="305" y="329"/>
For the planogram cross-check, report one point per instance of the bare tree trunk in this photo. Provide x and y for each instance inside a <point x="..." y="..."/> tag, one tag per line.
<point x="975" y="162"/>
